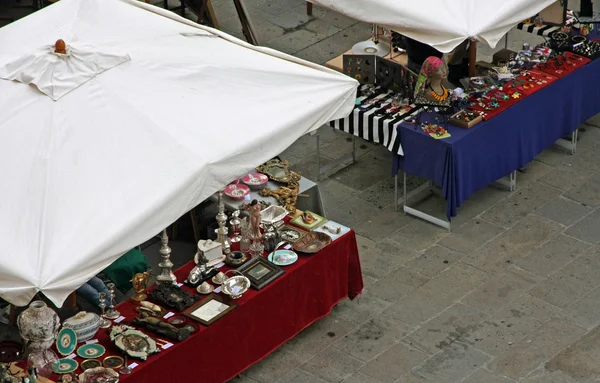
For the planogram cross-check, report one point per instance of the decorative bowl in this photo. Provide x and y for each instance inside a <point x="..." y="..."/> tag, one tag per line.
<point x="84" y="324"/>
<point x="99" y="374"/>
<point x="237" y="191"/>
<point x="312" y="242"/>
<point x="177" y="320"/>
<point x="255" y="180"/>
<point x="273" y="214"/>
<point x="236" y="286"/>
<point x="235" y="259"/>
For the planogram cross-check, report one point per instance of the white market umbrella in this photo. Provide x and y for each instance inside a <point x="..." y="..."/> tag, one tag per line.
<point x="443" y="24"/>
<point x="96" y="159"/>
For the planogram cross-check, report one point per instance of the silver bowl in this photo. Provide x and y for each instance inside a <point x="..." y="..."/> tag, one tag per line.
<point x="236" y="286"/>
<point x="273" y="214"/>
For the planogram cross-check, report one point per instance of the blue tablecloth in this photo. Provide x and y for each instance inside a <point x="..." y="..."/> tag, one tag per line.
<point x="473" y="158"/>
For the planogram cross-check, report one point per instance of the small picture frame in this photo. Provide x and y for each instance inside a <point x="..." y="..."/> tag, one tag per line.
<point x="260" y="271"/>
<point x="209" y="310"/>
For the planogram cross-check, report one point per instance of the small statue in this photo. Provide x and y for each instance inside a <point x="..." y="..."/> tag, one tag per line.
<point x="255" y="219"/>
<point x="429" y="89"/>
<point x="161" y="327"/>
<point x="140" y="283"/>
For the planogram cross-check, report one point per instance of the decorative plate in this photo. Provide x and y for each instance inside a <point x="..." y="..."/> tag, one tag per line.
<point x="113" y="361"/>
<point x="99" y="374"/>
<point x="312" y="242"/>
<point x="283" y="257"/>
<point x="176" y="320"/>
<point x="255" y="179"/>
<point x="190" y="327"/>
<point x="133" y="342"/>
<point x="90" y="363"/>
<point x="308" y="220"/>
<point x="236" y="191"/>
<point x="290" y="234"/>
<point x="64" y="366"/>
<point x="66" y="341"/>
<point x="90" y="351"/>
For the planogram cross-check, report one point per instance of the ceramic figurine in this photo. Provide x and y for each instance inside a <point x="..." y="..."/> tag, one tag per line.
<point x="429" y="89"/>
<point x="255" y="219"/>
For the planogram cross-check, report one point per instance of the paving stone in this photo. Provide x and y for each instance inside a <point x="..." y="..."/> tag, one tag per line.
<point x="536" y="348"/>
<point x="380" y="258"/>
<point x="547" y="377"/>
<point x="381" y="194"/>
<point x="586" y="311"/>
<point x="520" y="204"/>
<point x="318" y="336"/>
<point x="532" y="172"/>
<point x="453" y="363"/>
<point x="585" y="160"/>
<point x="359" y="377"/>
<point x="564" y="211"/>
<point x="519" y="240"/>
<point x="579" y="360"/>
<point x="294" y="41"/>
<point x="501" y="332"/>
<point x="276" y="7"/>
<point x="445" y="329"/>
<point x="369" y="340"/>
<point x="332" y="365"/>
<point x="587" y="229"/>
<point x="370" y="170"/>
<point x="484" y="376"/>
<point x="337" y="44"/>
<point x="419" y="235"/>
<point x="570" y="283"/>
<point x="293" y="18"/>
<point x="588" y="193"/>
<point x="411" y="378"/>
<point x="397" y="284"/>
<point x="360" y="310"/>
<point x="334" y="193"/>
<point x="383" y="225"/>
<point x="274" y="366"/>
<point x="498" y="291"/>
<point x="322" y="28"/>
<point x="552" y="255"/>
<point x="471" y="235"/>
<point x="353" y="212"/>
<point x="594" y="121"/>
<point x="333" y="17"/>
<point x="394" y="363"/>
<point x="267" y="31"/>
<point x="434" y="260"/>
<point x="564" y="178"/>
<point x="299" y="376"/>
<point x="242" y="379"/>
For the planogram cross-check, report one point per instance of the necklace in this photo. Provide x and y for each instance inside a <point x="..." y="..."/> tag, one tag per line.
<point x="439" y="97"/>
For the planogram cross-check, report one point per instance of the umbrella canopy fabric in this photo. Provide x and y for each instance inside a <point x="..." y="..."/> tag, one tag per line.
<point x="126" y="152"/>
<point x="443" y="24"/>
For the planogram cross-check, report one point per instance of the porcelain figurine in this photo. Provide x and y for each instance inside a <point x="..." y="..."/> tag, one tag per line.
<point x="255" y="219"/>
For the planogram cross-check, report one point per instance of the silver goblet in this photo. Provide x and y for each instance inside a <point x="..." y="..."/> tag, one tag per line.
<point x="112" y="313"/>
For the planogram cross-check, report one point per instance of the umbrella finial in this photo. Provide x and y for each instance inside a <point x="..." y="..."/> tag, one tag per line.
<point x="60" y="47"/>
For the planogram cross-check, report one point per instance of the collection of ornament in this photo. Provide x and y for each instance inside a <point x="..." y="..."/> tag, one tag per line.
<point x="264" y="231"/>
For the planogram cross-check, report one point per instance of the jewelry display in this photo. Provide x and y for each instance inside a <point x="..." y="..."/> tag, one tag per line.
<point x="104" y="323"/>
<point x="166" y="275"/>
<point x="112" y="313"/>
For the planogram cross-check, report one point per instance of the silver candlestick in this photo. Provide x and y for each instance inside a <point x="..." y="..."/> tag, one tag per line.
<point x="235" y="223"/>
<point x="166" y="266"/>
<point x="104" y="323"/>
<point x="222" y="231"/>
<point x="112" y="313"/>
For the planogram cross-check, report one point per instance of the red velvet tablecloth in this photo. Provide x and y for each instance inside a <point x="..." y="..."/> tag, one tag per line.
<point x="264" y="320"/>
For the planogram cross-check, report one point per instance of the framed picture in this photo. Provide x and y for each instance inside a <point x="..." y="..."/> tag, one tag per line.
<point x="209" y="310"/>
<point x="260" y="272"/>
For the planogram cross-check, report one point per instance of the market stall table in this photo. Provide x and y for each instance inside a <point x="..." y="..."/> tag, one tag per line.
<point x="473" y="158"/>
<point x="264" y="320"/>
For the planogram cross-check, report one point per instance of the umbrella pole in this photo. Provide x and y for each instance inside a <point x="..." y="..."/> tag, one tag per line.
<point x="472" y="58"/>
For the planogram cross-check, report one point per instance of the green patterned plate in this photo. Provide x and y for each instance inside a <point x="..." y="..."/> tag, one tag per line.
<point x="64" y="366"/>
<point x="90" y="351"/>
<point x="66" y="341"/>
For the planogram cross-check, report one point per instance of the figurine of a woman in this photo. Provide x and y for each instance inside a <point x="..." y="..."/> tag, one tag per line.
<point x="255" y="219"/>
<point x="429" y="89"/>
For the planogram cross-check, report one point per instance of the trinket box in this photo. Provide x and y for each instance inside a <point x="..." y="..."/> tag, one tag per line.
<point x="466" y="119"/>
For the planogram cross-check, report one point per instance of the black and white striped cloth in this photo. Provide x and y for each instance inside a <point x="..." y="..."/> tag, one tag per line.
<point x="545" y="30"/>
<point x="379" y="129"/>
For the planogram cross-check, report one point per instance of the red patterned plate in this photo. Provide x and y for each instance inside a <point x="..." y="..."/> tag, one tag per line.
<point x="237" y="191"/>
<point x="255" y="179"/>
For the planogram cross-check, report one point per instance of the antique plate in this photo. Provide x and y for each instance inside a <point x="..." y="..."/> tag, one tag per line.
<point x="66" y="341"/>
<point x="112" y="361"/>
<point x="255" y="180"/>
<point x="177" y="320"/>
<point x="133" y="342"/>
<point x="64" y="366"/>
<point x="283" y="257"/>
<point x="90" y="363"/>
<point x="236" y="191"/>
<point x="312" y="242"/>
<point x="298" y="221"/>
<point x="91" y="351"/>
<point x="290" y="234"/>
<point x="190" y="327"/>
<point x="99" y="374"/>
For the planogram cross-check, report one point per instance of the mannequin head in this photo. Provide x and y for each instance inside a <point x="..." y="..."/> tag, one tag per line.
<point x="429" y="85"/>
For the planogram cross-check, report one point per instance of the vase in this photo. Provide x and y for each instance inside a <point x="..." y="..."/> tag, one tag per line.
<point x="38" y="326"/>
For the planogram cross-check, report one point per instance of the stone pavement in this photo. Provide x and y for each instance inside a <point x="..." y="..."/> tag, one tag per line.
<point x="510" y="295"/>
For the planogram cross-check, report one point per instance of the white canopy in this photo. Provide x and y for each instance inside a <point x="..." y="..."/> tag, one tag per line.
<point x="171" y="113"/>
<point x="443" y="24"/>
